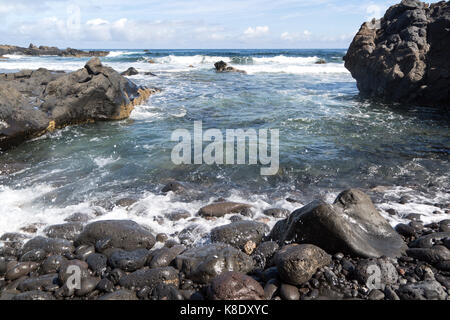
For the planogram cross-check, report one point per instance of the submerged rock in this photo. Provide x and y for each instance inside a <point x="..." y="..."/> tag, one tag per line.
<point x="352" y="225"/>
<point x="224" y="67"/>
<point x="403" y="57"/>
<point x="130" y="72"/>
<point x="35" y="102"/>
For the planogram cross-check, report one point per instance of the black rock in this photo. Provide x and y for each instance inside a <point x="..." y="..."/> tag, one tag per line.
<point x="238" y="234"/>
<point x="129" y="261"/>
<point x="39" y="283"/>
<point x="34" y="295"/>
<point x="288" y="292"/>
<point x="166" y="293"/>
<point x="403" y="57"/>
<point x="67" y="231"/>
<point x="202" y="264"/>
<point x="124" y="234"/>
<point x="130" y="72"/>
<point x="352" y="225"/>
<point x="235" y="286"/>
<point x="52" y="264"/>
<point x="97" y="262"/>
<point x="150" y="278"/>
<point x="165" y="256"/>
<point x="121" y="295"/>
<point x="297" y="264"/>
<point x="51" y="246"/>
<point x="426" y="290"/>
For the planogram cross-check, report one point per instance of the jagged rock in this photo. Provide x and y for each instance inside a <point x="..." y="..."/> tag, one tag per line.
<point x="352" y="225"/>
<point x="130" y="72"/>
<point x="35" y="102"/>
<point x="223" y="67"/>
<point x="403" y="57"/>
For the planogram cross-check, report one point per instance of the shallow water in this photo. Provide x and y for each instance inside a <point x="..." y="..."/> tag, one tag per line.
<point x="330" y="140"/>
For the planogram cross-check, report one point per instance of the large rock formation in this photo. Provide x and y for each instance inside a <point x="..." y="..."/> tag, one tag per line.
<point x="35" y="102"/>
<point x="403" y="57"/>
<point x="352" y="225"/>
<point x="32" y="50"/>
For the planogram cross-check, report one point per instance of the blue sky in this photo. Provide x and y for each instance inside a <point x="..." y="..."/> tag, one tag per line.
<point x="175" y="24"/>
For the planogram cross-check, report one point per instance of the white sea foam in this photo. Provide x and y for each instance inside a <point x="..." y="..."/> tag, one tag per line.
<point x="113" y="54"/>
<point x="103" y="162"/>
<point x="23" y="207"/>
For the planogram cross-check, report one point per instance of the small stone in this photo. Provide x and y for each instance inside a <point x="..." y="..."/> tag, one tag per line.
<point x="376" y="295"/>
<point x="288" y="292"/>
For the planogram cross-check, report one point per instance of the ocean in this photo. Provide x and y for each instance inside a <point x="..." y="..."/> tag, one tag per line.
<point x="330" y="140"/>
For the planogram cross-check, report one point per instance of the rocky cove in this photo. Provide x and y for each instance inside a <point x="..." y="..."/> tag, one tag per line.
<point x="85" y="183"/>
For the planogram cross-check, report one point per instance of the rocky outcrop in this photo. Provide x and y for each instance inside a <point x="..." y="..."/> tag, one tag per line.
<point x="351" y="225"/>
<point x="35" y="102"/>
<point x="224" y="67"/>
<point x="403" y="57"/>
<point x="33" y="50"/>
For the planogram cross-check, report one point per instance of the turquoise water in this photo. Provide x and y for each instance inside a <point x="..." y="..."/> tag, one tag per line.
<point x="330" y="140"/>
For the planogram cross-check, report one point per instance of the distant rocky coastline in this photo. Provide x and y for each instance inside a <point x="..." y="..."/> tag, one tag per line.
<point x="403" y="57"/>
<point x="33" y="50"/>
<point x="34" y="102"/>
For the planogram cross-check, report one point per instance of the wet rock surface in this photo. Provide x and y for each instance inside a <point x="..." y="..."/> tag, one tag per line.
<point x="115" y="260"/>
<point x="351" y="225"/>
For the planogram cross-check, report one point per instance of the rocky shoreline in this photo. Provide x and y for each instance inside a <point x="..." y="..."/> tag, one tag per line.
<point x="357" y="256"/>
<point x="33" y="50"/>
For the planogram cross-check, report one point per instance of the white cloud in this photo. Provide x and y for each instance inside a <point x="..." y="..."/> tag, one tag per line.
<point x="296" y="36"/>
<point x="256" y="32"/>
<point x="374" y="11"/>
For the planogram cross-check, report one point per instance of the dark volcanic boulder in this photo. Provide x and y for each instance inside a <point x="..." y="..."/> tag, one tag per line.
<point x="352" y="225"/>
<point x="129" y="260"/>
<point x="123" y="234"/>
<point x="219" y="209"/>
<point x="235" y="286"/>
<point x="202" y="264"/>
<point x="296" y="264"/>
<point x="35" y="102"/>
<point x="130" y="72"/>
<point x="224" y="67"/>
<point x="67" y="231"/>
<point x="404" y="56"/>
<point x="239" y="234"/>
<point x="51" y="246"/>
<point x="150" y="278"/>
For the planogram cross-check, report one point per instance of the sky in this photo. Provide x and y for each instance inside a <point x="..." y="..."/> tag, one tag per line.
<point x="186" y="24"/>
